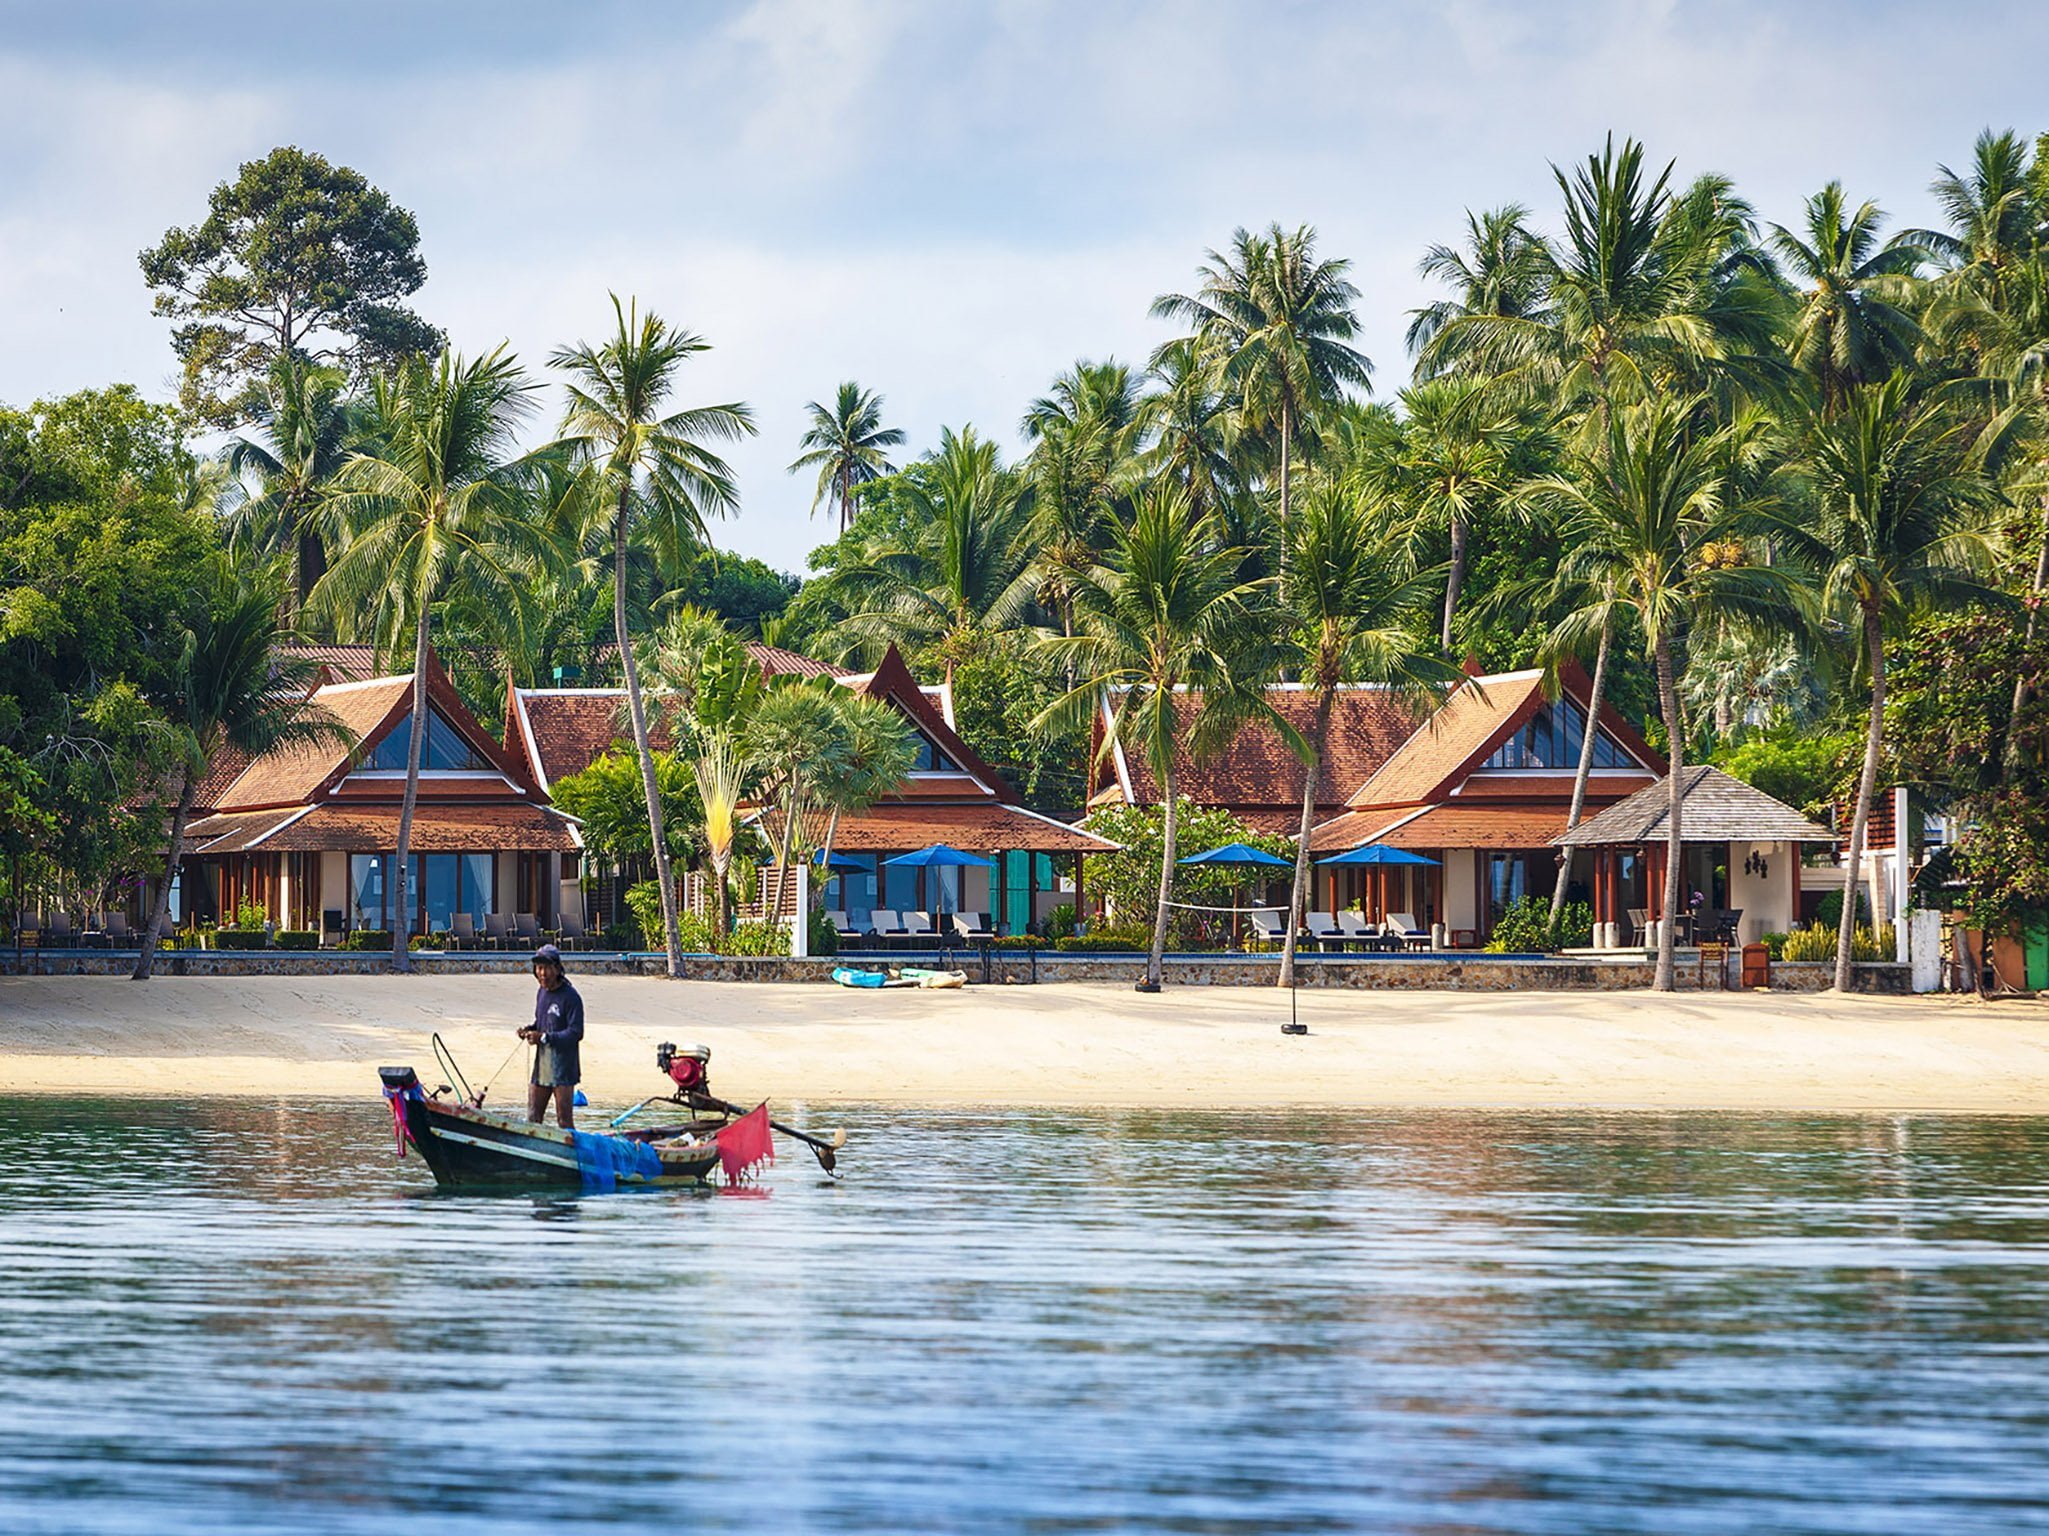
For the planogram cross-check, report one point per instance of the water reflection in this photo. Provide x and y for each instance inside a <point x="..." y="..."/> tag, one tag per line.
<point x="221" y="1315"/>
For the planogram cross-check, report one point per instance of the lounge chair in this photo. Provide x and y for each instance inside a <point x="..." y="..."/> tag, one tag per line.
<point x="838" y="919"/>
<point x="1639" y="925"/>
<point x="462" y="930"/>
<point x="918" y="925"/>
<point x="573" y="932"/>
<point x="973" y="926"/>
<point x="1322" y="928"/>
<point x="497" y="932"/>
<point x="1268" y="924"/>
<point x="526" y="927"/>
<point x="884" y="925"/>
<point x="1353" y="925"/>
<point x="1402" y="925"/>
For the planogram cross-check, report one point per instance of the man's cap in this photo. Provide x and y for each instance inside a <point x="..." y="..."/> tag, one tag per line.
<point x="548" y="953"/>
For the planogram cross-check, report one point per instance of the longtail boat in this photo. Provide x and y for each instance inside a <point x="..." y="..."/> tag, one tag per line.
<point x="467" y="1146"/>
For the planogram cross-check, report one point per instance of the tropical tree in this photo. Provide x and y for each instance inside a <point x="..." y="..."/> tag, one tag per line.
<point x="1170" y="632"/>
<point x="1191" y="426"/>
<point x="796" y="738"/>
<point x="1084" y="438"/>
<point x="439" y="510"/>
<point x="1891" y="533"/>
<point x="306" y="423"/>
<point x="958" y="561"/>
<point x="236" y="689"/>
<point x="880" y="750"/>
<point x="1638" y="510"/>
<point x="724" y="779"/>
<point x="637" y="462"/>
<point x="1853" y="325"/>
<point x="1501" y="272"/>
<point x="1279" y="322"/>
<point x="1452" y="457"/>
<point x="1996" y="208"/>
<point x="1355" y="602"/>
<point x="847" y="444"/>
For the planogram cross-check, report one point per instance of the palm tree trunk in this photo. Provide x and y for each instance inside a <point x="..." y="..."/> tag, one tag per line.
<point x="1675" y="847"/>
<point x="785" y="845"/>
<point x="832" y="827"/>
<point x="1580" y="776"/>
<point x="402" y="858"/>
<point x="146" y="961"/>
<point x="672" y="934"/>
<point x="1867" y="784"/>
<point x="1312" y="772"/>
<point x="1156" y="963"/>
<point x="1287" y="451"/>
<point x="1455" y="579"/>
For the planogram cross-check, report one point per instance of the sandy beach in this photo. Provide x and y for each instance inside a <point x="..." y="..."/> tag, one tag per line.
<point x="1048" y="1045"/>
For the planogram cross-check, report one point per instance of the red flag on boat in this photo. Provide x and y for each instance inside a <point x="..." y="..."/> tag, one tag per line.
<point x="745" y="1142"/>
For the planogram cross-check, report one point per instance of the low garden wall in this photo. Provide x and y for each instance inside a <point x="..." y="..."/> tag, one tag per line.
<point x="1465" y="971"/>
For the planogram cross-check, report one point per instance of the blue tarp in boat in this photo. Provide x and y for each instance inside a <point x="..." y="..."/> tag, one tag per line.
<point x="603" y="1159"/>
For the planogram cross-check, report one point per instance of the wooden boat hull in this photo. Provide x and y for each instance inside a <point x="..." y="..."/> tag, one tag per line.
<point x="469" y="1148"/>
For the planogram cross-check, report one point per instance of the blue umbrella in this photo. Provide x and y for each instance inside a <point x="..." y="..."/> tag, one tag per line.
<point x="938" y="856"/>
<point x="837" y="861"/>
<point x="1377" y="853"/>
<point x="1238" y="853"/>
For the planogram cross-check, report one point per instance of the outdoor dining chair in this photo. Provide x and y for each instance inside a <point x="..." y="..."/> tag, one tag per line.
<point x="117" y="930"/>
<point x="573" y="932"/>
<point x="462" y="930"/>
<point x="527" y="929"/>
<point x="497" y="932"/>
<point x="333" y="925"/>
<point x="55" y="932"/>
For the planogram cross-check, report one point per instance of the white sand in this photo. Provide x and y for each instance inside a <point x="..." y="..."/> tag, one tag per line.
<point x="1048" y="1045"/>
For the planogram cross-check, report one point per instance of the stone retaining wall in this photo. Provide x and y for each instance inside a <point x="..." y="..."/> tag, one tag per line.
<point x="1451" y="972"/>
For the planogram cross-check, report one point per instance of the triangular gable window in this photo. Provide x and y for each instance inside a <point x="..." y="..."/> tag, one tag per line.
<point x="930" y="759"/>
<point x="1552" y="740"/>
<point x="445" y="750"/>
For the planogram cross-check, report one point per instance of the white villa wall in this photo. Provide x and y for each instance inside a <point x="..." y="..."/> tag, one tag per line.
<point x="1767" y="904"/>
<point x="334" y="885"/>
<point x="1461" y="909"/>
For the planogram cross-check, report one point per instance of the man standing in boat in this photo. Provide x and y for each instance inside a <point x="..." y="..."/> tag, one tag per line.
<point x="557" y="1027"/>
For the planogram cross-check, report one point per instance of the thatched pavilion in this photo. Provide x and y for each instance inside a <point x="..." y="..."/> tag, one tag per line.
<point x="1741" y="851"/>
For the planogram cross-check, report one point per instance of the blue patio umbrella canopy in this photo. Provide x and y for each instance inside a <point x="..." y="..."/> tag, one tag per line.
<point x="837" y="861"/>
<point x="1377" y="853"/>
<point x="938" y="856"/>
<point x="1237" y="853"/>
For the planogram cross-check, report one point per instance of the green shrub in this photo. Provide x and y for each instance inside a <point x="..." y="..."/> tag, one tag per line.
<point x="368" y="939"/>
<point x="1525" y="926"/>
<point x="1061" y="922"/>
<point x="239" y="938"/>
<point x="695" y="930"/>
<point x="1819" y="943"/>
<point x="644" y="901"/>
<point x="824" y="939"/>
<point x="250" y="916"/>
<point x="297" y="938"/>
<point x="1023" y="941"/>
<point x="1103" y="944"/>
<point x="1775" y="944"/>
<point x="1828" y="912"/>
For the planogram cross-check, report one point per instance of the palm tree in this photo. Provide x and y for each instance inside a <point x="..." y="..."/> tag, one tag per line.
<point x="1192" y="427"/>
<point x="1894" y="493"/>
<point x="1085" y="435"/>
<point x="1355" y="601"/>
<point x="637" y="463"/>
<point x="1625" y="293"/>
<point x="1279" y="321"/>
<point x="1451" y="459"/>
<point x="307" y="423"/>
<point x="796" y="738"/>
<point x="1995" y="208"/>
<point x="1852" y="327"/>
<point x="1500" y="273"/>
<point x="1170" y="611"/>
<point x="1636" y="511"/>
<point x="846" y="445"/>
<point x="438" y="511"/>
<point x="881" y="750"/>
<point x="236" y="688"/>
<point x="962" y="562"/>
<point x="723" y="781"/>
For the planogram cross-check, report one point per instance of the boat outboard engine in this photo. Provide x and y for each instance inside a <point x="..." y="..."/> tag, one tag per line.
<point x="688" y="1066"/>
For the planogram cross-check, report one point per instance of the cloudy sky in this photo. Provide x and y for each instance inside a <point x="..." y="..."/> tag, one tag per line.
<point x="947" y="200"/>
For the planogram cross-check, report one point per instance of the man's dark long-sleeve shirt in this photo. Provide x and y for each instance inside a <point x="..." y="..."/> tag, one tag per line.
<point x="558" y="1015"/>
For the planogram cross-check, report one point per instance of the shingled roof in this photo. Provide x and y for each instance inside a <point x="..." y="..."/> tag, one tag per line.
<point x="1714" y="808"/>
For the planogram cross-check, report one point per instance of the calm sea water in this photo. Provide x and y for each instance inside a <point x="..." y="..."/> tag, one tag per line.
<point x="224" y="1316"/>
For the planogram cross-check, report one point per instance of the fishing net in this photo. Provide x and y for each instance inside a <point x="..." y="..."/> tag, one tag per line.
<point x="603" y="1160"/>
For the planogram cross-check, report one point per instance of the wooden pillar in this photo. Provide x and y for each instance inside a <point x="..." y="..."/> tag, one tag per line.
<point x="1080" y="905"/>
